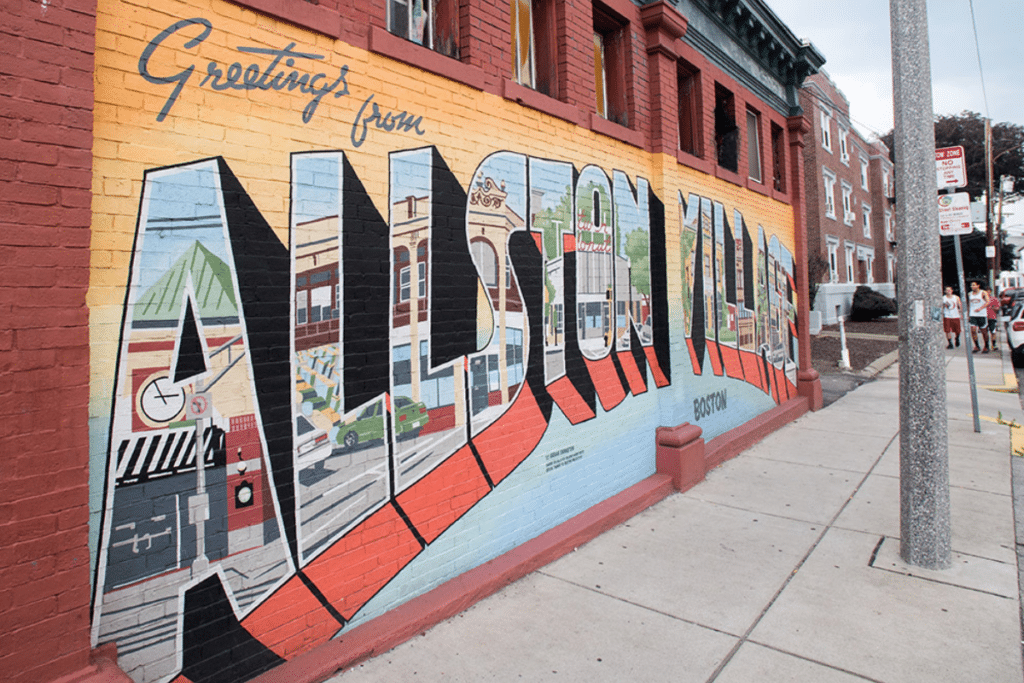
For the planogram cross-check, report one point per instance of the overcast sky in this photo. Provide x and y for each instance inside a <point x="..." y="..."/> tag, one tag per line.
<point x="854" y="38"/>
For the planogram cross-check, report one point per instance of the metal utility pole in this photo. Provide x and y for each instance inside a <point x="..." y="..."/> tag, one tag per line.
<point x="989" y="241"/>
<point x="924" y="445"/>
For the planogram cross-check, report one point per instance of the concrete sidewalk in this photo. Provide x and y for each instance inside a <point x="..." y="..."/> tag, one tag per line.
<point x="783" y="565"/>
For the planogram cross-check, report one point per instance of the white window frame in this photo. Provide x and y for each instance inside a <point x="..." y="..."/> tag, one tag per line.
<point x="886" y="189"/>
<point x="833" y="258"/>
<point x="848" y="213"/>
<point x="865" y="212"/>
<point x="850" y="250"/>
<point x="826" y="130"/>
<point x="830" y="192"/>
<point x="844" y="145"/>
<point x="890" y="262"/>
<point x="863" y="173"/>
<point x="888" y="226"/>
<point x="404" y="284"/>
<point x="867" y="254"/>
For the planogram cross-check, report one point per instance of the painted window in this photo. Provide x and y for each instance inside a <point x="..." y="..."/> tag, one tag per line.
<point x="830" y="192"/>
<point x="754" y="146"/>
<point x="403" y="284"/>
<point x="486" y="260"/>
<point x="431" y="23"/>
<point x="690" y="129"/>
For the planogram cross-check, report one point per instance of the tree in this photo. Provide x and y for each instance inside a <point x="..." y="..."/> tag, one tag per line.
<point x="967" y="129"/>
<point x="975" y="263"/>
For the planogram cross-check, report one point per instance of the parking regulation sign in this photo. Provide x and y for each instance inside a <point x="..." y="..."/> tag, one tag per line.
<point x="950" y="169"/>
<point x="955" y="214"/>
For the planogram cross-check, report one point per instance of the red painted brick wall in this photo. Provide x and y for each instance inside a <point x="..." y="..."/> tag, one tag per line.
<point x="46" y="58"/>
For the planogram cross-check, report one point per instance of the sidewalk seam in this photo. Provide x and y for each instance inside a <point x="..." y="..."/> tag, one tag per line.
<point x="746" y="636"/>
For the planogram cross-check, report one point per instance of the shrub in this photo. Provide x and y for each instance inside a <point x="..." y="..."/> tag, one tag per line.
<point x="869" y="304"/>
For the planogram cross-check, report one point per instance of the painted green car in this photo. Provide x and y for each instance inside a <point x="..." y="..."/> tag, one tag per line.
<point x="410" y="417"/>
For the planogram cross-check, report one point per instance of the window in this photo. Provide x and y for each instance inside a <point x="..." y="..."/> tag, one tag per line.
<point x="848" y="215"/>
<point x="778" y="158"/>
<point x="886" y="187"/>
<point x="754" y="146"/>
<point x="888" y="226"/>
<point x="826" y="130"/>
<point x="690" y="129"/>
<point x="610" y="65"/>
<point x="849" y="262"/>
<point x="401" y="273"/>
<point x="889" y="263"/>
<point x="833" y="259"/>
<point x="863" y="173"/>
<point x="865" y="212"/>
<point x="534" y="58"/>
<point x="430" y="23"/>
<point x="830" y="192"/>
<point x="486" y="261"/>
<point x="844" y="150"/>
<point x="403" y="284"/>
<point x="726" y="132"/>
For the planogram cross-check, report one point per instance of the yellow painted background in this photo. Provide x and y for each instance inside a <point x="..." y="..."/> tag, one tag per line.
<point x="256" y="131"/>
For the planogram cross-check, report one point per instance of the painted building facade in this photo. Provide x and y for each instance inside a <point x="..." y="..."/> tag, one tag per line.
<point x="851" y="219"/>
<point x="377" y="295"/>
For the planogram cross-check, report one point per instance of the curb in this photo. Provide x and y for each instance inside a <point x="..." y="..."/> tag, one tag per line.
<point x="879" y="364"/>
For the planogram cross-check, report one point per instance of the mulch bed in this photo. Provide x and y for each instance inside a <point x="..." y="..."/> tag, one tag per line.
<point x="826" y="351"/>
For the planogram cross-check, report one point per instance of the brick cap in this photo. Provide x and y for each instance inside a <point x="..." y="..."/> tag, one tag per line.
<point x="678" y="436"/>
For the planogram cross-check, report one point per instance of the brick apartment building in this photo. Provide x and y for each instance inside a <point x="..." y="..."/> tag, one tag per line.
<point x="316" y="307"/>
<point x="850" y="216"/>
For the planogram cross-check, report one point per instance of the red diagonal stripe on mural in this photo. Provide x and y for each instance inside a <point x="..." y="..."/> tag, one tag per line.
<point x="715" y="358"/>
<point x="637" y="385"/>
<point x="291" y="620"/>
<point x="434" y="502"/>
<point x="606" y="380"/>
<point x="352" y="570"/>
<point x="513" y="436"/>
<point x="569" y="401"/>
<point x="731" y="359"/>
<point x="697" y="367"/>
<point x="752" y="370"/>
<point x="660" y="380"/>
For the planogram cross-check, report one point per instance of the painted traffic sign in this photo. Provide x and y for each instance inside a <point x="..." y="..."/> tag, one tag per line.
<point x="950" y="169"/>
<point x="955" y="214"/>
<point x="197" y="406"/>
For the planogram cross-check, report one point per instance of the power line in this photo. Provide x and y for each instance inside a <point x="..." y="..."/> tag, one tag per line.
<point x="977" y="48"/>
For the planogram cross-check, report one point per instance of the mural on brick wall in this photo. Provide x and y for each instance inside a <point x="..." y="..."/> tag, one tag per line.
<point x="295" y="423"/>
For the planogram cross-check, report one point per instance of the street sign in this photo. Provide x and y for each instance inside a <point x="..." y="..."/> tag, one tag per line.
<point x="950" y="169"/>
<point x="955" y="214"/>
<point x="197" y="406"/>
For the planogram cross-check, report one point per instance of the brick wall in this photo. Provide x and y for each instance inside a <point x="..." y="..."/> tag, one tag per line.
<point x="46" y="57"/>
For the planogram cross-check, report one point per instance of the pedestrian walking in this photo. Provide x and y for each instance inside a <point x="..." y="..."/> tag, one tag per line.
<point x="977" y="301"/>
<point x="952" y="309"/>
<point x="992" y="307"/>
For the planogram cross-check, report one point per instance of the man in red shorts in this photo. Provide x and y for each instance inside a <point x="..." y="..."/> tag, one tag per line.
<point x="951" y="308"/>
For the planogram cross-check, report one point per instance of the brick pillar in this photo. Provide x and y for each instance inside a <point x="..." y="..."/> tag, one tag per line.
<point x="46" y="147"/>
<point x="664" y="26"/>
<point x="807" y="378"/>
